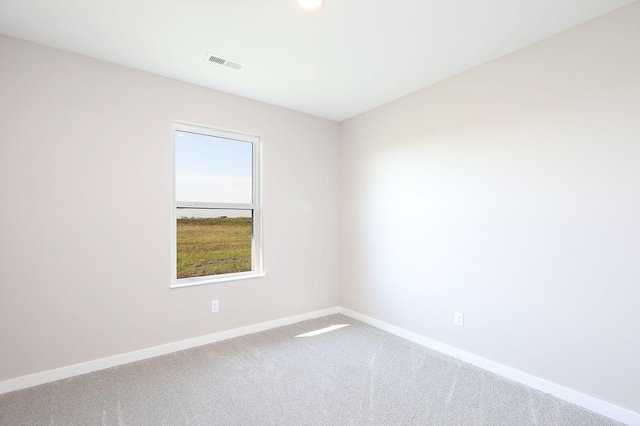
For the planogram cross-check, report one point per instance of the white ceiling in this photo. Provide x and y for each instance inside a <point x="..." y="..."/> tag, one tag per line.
<point x="343" y="59"/>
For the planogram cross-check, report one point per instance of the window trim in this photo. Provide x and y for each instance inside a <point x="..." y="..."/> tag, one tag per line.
<point x="255" y="206"/>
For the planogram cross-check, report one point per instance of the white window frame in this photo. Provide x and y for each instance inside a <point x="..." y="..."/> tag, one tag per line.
<point x="255" y="206"/>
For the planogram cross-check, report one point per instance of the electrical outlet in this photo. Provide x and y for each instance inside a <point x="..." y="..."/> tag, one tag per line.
<point x="459" y="319"/>
<point x="215" y="306"/>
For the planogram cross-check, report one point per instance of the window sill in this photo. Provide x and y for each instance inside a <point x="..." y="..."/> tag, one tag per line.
<point x="190" y="282"/>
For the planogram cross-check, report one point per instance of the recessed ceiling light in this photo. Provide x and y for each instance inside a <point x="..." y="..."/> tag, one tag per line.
<point x="310" y="4"/>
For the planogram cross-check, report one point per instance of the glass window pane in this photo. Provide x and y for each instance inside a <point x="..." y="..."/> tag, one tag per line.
<point x="213" y="241"/>
<point x="212" y="169"/>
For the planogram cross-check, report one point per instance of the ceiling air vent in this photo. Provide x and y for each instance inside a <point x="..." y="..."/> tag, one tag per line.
<point x="220" y="60"/>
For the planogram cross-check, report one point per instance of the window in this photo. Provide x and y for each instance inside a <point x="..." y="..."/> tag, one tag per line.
<point x="216" y="206"/>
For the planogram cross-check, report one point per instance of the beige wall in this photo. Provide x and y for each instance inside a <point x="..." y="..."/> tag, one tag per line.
<point x="510" y="192"/>
<point x="85" y="213"/>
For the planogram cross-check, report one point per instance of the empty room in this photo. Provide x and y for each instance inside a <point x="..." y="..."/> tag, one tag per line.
<point x="307" y="212"/>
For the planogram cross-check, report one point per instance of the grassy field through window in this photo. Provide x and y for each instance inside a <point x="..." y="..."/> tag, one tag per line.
<point x="211" y="246"/>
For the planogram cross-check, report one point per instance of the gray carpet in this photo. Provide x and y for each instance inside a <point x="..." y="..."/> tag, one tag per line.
<point x="355" y="375"/>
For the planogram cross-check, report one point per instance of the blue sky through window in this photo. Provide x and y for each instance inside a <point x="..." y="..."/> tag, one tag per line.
<point x="212" y="169"/>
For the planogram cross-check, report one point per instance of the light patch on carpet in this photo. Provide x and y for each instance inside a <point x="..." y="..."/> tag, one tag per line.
<point x="322" y="330"/>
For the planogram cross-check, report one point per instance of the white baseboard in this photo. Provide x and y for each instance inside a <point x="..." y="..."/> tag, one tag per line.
<point x="590" y="403"/>
<point x="126" y="358"/>
<point x="607" y="409"/>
